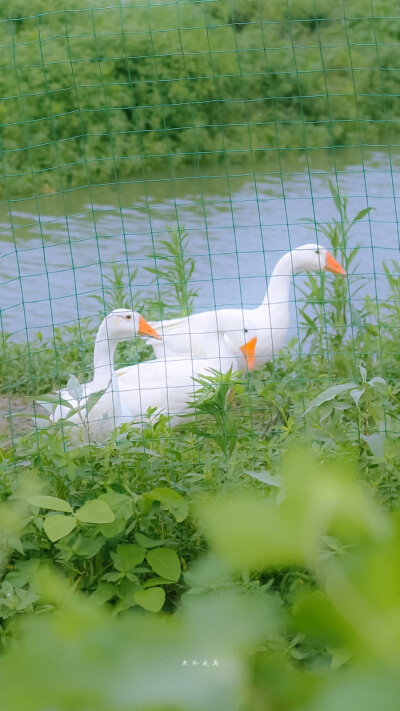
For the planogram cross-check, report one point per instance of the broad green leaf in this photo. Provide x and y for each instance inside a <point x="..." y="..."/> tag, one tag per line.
<point x="113" y="529"/>
<point x="151" y="599"/>
<point x="54" y="398"/>
<point x="23" y="572"/>
<point x="147" y="542"/>
<point x="377" y="381"/>
<point x="95" y="511"/>
<point x="151" y="582"/>
<point x="356" y="394"/>
<point x="103" y="593"/>
<point x="88" y="547"/>
<point x="265" y="477"/>
<point x="74" y="388"/>
<point x="50" y="502"/>
<point x="57" y="526"/>
<point x="122" y="507"/>
<point x="165" y="563"/>
<point x="376" y="443"/>
<point x="93" y="399"/>
<point x="120" y="504"/>
<point x="173" y="501"/>
<point x="126" y="592"/>
<point x="329" y="394"/>
<point x="113" y="577"/>
<point x="128" y="556"/>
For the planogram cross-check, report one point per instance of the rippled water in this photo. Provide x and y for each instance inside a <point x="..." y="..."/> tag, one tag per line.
<point x="55" y="251"/>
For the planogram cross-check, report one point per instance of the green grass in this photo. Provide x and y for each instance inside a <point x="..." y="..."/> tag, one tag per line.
<point x="263" y="535"/>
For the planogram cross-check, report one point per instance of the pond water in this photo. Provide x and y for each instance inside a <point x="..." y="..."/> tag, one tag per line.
<point x="56" y="250"/>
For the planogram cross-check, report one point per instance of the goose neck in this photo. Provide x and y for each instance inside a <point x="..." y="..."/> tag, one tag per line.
<point x="280" y="281"/>
<point x="103" y="357"/>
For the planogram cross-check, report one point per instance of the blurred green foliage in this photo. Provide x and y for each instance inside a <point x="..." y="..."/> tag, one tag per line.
<point x="332" y="642"/>
<point x="95" y="94"/>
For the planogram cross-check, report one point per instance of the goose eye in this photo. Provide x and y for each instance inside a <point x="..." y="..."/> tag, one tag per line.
<point x="246" y="330"/>
<point x="317" y="251"/>
<point x="128" y="317"/>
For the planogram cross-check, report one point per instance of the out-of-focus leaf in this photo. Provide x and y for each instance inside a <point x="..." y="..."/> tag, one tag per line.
<point x="164" y="562"/>
<point x="128" y="556"/>
<point x="356" y="394"/>
<point x="58" y="526"/>
<point x="151" y="599"/>
<point x="147" y="542"/>
<point x="376" y="442"/>
<point x="50" y="502"/>
<point x="171" y="499"/>
<point x="74" y="388"/>
<point x="329" y="394"/>
<point x="265" y="477"/>
<point x="95" y="511"/>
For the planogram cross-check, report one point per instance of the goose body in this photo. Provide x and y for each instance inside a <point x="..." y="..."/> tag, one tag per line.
<point x="197" y="333"/>
<point x="119" y="325"/>
<point x="168" y="384"/>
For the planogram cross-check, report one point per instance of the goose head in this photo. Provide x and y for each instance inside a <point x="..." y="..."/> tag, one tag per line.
<point x="242" y="344"/>
<point x="124" y="324"/>
<point x="314" y="258"/>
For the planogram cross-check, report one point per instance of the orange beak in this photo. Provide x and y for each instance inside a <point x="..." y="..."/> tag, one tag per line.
<point x="331" y="265"/>
<point x="146" y="330"/>
<point x="249" y="350"/>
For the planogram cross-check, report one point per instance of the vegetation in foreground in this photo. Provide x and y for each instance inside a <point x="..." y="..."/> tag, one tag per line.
<point x="93" y="94"/>
<point x="133" y="570"/>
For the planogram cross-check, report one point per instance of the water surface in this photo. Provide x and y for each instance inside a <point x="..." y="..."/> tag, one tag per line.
<point x="55" y="251"/>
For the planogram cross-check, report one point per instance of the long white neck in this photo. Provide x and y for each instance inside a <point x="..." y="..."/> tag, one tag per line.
<point x="280" y="281"/>
<point x="103" y="358"/>
<point x="274" y="311"/>
<point x="105" y="413"/>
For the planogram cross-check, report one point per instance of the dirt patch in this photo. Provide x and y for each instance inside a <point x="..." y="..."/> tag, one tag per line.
<point x="11" y="423"/>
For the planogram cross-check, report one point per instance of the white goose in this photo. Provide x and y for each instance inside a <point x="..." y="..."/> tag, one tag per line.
<point x="119" y="325"/>
<point x="194" y="335"/>
<point x="168" y="384"/>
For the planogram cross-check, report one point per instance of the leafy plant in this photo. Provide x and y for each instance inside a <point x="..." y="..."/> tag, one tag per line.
<point x="117" y="293"/>
<point x="330" y="311"/>
<point x="212" y="398"/>
<point x="174" y="269"/>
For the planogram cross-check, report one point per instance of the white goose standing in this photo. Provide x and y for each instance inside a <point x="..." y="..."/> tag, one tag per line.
<point x="194" y="335"/>
<point x="104" y="416"/>
<point x="168" y="384"/>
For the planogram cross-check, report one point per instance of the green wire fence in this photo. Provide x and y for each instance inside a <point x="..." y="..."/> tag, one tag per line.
<point x="164" y="155"/>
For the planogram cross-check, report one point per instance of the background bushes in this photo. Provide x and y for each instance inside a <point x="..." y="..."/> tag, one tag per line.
<point x="93" y="95"/>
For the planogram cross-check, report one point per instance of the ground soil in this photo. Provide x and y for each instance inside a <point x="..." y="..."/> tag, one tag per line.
<point x="11" y="424"/>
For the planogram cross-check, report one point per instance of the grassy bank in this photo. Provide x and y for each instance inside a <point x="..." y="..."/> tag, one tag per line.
<point x="93" y="95"/>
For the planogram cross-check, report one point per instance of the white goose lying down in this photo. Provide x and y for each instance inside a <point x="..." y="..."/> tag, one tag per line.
<point x="197" y="335"/>
<point x="168" y="384"/>
<point x="119" y="325"/>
